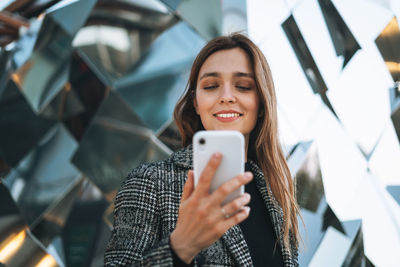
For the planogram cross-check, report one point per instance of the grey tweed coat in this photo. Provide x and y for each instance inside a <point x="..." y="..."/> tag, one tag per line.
<point x="146" y="211"/>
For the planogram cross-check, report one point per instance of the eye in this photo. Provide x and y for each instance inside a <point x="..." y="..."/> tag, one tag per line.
<point x="209" y="87"/>
<point x="244" y="88"/>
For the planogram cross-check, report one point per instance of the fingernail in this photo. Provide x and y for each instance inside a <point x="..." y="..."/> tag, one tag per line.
<point x="246" y="196"/>
<point x="217" y="155"/>
<point x="248" y="175"/>
<point x="247" y="209"/>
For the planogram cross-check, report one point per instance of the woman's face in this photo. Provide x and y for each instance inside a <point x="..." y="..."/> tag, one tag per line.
<point x="226" y="93"/>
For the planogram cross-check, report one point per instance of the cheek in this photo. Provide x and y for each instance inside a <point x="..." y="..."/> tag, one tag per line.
<point x="203" y="103"/>
<point x="253" y="105"/>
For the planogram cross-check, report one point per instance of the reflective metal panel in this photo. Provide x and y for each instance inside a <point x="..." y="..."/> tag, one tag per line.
<point x="4" y="168"/>
<point x="306" y="60"/>
<point x="118" y="33"/>
<point x="371" y="200"/>
<point x="172" y="4"/>
<point x="87" y="93"/>
<point x="18" y="124"/>
<point x="11" y="220"/>
<point x="4" y="69"/>
<point x="115" y="142"/>
<point x="271" y="13"/>
<point x="234" y="16"/>
<point x="310" y="239"/>
<point x="384" y="162"/>
<point x="333" y="240"/>
<point x="50" y="62"/>
<point x="358" y="16"/>
<point x="396" y="121"/>
<point x="161" y="75"/>
<point x="17" y="246"/>
<point x="345" y="43"/>
<point x="342" y="165"/>
<point x="292" y="94"/>
<point x="205" y="16"/>
<point x="66" y="104"/>
<point x="308" y="177"/>
<point x="394" y="190"/>
<point x="44" y="174"/>
<point x="22" y="48"/>
<point x="304" y="55"/>
<point x="114" y="90"/>
<point x="22" y="250"/>
<point x="170" y="136"/>
<point x="388" y="42"/>
<point x="395" y="107"/>
<point x="84" y="232"/>
<point x="359" y="103"/>
<point x="51" y="222"/>
<point x="355" y="255"/>
<point x="71" y="15"/>
<point x="5" y="3"/>
<point x="103" y="236"/>
<point x="310" y="19"/>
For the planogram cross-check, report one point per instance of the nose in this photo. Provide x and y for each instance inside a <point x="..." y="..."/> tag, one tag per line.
<point x="227" y="95"/>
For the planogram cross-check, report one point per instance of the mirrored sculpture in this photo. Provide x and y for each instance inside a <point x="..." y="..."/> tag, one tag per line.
<point x="87" y="91"/>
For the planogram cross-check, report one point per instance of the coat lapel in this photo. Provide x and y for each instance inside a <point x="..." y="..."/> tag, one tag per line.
<point x="234" y="241"/>
<point x="233" y="238"/>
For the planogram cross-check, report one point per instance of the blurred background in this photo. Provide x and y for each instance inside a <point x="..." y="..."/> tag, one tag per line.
<point x="87" y="90"/>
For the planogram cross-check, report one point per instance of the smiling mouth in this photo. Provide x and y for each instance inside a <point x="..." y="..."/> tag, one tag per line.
<point x="228" y="115"/>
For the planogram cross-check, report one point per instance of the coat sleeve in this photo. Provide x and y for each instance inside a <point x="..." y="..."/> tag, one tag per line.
<point x="135" y="239"/>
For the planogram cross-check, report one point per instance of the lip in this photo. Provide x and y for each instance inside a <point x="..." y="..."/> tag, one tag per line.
<point x="221" y="119"/>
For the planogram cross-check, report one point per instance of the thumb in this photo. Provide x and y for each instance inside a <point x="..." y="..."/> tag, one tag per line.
<point x="189" y="186"/>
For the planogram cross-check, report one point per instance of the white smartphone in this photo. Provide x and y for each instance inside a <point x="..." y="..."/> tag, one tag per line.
<point x="231" y="145"/>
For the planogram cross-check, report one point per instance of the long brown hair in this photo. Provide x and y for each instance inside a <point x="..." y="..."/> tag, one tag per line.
<point x="264" y="146"/>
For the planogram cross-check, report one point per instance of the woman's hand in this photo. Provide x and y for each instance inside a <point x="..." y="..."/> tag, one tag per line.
<point x="202" y="220"/>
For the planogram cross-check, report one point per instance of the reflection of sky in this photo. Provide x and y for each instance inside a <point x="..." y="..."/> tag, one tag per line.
<point x="115" y="37"/>
<point x="333" y="240"/>
<point x="178" y="45"/>
<point x="5" y="3"/>
<point x="360" y="96"/>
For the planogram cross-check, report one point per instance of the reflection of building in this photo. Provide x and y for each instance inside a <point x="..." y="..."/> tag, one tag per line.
<point x="87" y="90"/>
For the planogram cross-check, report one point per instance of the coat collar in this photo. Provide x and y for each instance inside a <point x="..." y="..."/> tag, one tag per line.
<point x="184" y="157"/>
<point x="233" y="238"/>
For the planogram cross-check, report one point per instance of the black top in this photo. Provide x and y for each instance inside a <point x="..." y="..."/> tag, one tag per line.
<point x="258" y="232"/>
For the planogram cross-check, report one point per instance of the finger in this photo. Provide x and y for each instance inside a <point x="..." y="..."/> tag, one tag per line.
<point x="239" y="217"/>
<point x="203" y="185"/>
<point x="230" y="209"/>
<point x="228" y="187"/>
<point x="188" y="187"/>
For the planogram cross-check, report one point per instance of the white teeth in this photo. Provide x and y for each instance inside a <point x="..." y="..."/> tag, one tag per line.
<point x="228" y="115"/>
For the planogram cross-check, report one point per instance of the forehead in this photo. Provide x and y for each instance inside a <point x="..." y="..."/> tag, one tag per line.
<point x="227" y="61"/>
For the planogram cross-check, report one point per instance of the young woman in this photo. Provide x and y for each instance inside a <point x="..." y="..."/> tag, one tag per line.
<point x="161" y="219"/>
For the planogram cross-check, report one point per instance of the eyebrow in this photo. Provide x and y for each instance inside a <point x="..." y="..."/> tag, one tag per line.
<point x="235" y="74"/>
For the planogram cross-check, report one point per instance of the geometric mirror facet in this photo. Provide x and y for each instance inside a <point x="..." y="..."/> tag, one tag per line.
<point x="44" y="173"/>
<point x="161" y="75"/>
<point x="19" y="125"/>
<point x="388" y="42"/>
<point x="117" y="34"/>
<point x="306" y="60"/>
<point x="115" y="142"/>
<point x="343" y="40"/>
<point x="50" y="62"/>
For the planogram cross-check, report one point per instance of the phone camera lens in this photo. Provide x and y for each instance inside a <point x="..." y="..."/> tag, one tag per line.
<point x="202" y="141"/>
